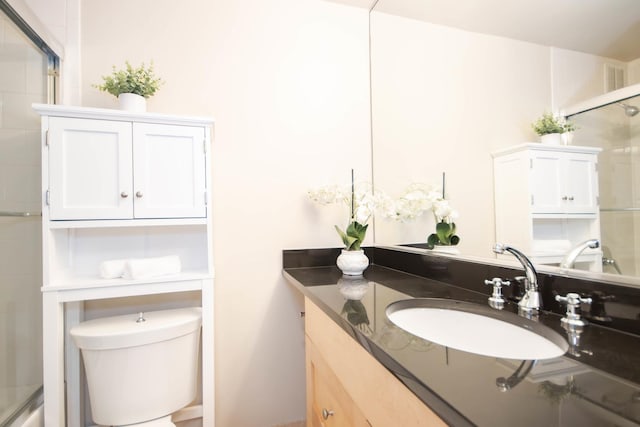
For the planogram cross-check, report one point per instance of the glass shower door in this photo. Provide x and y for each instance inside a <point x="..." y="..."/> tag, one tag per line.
<point x="24" y="79"/>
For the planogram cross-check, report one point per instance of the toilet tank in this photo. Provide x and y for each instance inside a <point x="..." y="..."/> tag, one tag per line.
<point x="140" y="370"/>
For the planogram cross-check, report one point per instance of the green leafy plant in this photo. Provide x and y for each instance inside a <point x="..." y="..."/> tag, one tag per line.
<point x="354" y="235"/>
<point x="445" y="235"/>
<point x="548" y="124"/>
<point x="140" y="81"/>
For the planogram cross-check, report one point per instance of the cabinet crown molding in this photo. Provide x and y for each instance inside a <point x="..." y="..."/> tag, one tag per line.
<point x="52" y="110"/>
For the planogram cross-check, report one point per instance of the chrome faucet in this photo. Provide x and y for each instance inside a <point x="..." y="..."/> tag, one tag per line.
<point x="531" y="301"/>
<point x="570" y="259"/>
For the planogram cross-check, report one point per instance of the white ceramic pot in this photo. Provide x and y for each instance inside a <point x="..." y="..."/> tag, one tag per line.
<point x="132" y="102"/>
<point x="452" y="250"/>
<point x="352" y="263"/>
<point x="551" y="139"/>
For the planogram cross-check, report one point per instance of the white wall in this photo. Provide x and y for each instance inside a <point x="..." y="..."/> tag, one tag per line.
<point x="286" y="81"/>
<point x="577" y="76"/>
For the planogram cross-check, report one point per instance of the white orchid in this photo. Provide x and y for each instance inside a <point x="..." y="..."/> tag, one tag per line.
<point x="415" y="200"/>
<point x="361" y="202"/>
<point x="419" y="198"/>
<point x="443" y="211"/>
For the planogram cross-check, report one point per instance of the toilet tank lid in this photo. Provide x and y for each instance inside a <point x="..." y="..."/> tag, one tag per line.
<point x="124" y="331"/>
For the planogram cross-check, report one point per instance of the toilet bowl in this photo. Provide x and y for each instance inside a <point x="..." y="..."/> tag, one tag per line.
<point x="140" y="368"/>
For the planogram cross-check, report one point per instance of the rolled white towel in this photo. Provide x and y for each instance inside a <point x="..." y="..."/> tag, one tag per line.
<point x="112" y="269"/>
<point x="145" y="268"/>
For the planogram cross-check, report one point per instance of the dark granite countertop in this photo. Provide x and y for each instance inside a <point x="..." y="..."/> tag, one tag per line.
<point x="594" y="384"/>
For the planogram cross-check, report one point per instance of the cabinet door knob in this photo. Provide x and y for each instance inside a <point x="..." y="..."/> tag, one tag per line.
<point x="570" y="198"/>
<point x="124" y="194"/>
<point x="326" y="413"/>
<point x="564" y="197"/>
<point x="139" y="194"/>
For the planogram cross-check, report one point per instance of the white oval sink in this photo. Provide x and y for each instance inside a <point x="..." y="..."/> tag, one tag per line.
<point x="477" y="329"/>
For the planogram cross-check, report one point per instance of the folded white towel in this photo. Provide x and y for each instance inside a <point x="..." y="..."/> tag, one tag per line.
<point x="112" y="269"/>
<point x="144" y="268"/>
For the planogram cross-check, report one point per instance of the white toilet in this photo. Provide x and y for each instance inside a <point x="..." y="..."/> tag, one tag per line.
<point x="140" y="368"/>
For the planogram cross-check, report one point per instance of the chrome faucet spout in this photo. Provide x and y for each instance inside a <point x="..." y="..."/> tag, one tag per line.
<point x="531" y="300"/>
<point x="570" y="259"/>
<point x="529" y="269"/>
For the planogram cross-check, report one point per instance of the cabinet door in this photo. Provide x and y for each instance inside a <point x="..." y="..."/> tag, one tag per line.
<point x="564" y="183"/>
<point x="89" y="169"/>
<point x="547" y="188"/>
<point x="329" y="404"/>
<point x="581" y="190"/>
<point x="169" y="171"/>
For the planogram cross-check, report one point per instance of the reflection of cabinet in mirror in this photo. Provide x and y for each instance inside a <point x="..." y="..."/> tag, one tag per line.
<point x="546" y="201"/>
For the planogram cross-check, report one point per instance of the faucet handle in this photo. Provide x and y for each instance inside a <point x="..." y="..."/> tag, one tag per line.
<point x="496" y="299"/>
<point x="573" y="301"/>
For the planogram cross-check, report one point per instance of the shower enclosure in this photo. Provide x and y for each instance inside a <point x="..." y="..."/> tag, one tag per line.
<point x="612" y="123"/>
<point x="27" y="70"/>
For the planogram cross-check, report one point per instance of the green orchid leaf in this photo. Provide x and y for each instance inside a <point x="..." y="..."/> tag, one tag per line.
<point x="351" y="242"/>
<point x="443" y="230"/>
<point x="354" y="235"/>
<point x="432" y="240"/>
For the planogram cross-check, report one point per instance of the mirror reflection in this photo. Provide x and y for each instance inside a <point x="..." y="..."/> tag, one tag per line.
<point x="446" y="99"/>
<point x="615" y="128"/>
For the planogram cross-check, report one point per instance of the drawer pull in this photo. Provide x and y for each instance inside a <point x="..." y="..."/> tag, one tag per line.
<point x="326" y="413"/>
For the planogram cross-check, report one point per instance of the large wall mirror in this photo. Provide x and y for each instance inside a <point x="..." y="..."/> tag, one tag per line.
<point x="455" y="83"/>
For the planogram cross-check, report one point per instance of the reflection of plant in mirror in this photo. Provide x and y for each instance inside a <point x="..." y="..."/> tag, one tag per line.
<point x="419" y="198"/>
<point x="445" y="234"/>
<point x="356" y="314"/>
<point x="548" y="124"/>
<point x="555" y="392"/>
<point x="415" y="200"/>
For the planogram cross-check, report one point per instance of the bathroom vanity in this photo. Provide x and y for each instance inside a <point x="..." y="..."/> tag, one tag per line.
<point x="119" y="185"/>
<point x="360" y="366"/>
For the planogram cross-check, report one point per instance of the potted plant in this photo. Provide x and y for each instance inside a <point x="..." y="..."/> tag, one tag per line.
<point x="419" y="198"/>
<point x="445" y="235"/>
<point x="132" y="86"/>
<point x="551" y="128"/>
<point x="361" y="203"/>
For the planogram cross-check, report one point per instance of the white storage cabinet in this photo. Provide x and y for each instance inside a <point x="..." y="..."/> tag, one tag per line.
<point x="545" y="196"/>
<point x="106" y="169"/>
<point x="119" y="185"/>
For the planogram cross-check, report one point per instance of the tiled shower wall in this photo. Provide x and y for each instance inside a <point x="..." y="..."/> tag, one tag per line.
<point x="22" y="82"/>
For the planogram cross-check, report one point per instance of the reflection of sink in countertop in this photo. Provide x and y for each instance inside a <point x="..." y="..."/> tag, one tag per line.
<point x="476" y="329"/>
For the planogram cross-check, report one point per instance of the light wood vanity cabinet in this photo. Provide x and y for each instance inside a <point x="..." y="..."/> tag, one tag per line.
<point x="329" y="403"/>
<point x="342" y="377"/>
